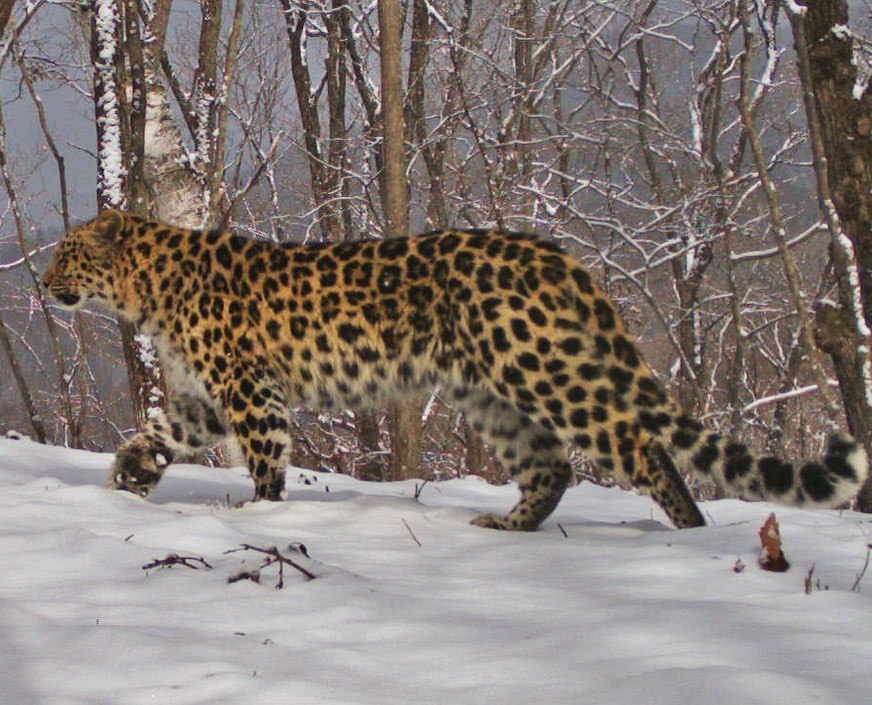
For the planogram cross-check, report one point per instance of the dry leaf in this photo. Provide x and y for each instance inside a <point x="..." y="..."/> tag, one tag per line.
<point x="772" y="557"/>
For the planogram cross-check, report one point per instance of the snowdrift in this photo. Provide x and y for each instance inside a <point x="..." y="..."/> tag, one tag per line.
<point x="619" y="611"/>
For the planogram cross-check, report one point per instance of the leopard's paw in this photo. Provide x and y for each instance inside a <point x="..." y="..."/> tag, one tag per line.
<point x="491" y="521"/>
<point x="138" y="469"/>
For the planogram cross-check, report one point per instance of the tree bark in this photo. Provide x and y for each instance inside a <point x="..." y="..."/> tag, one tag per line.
<point x="5" y="13"/>
<point x="405" y="414"/>
<point x="114" y="155"/>
<point x="175" y="194"/>
<point x="839" y="115"/>
<point x="395" y="202"/>
<point x="205" y="91"/>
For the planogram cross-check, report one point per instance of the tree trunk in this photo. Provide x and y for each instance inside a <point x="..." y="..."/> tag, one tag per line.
<point x="395" y="200"/>
<point x="374" y="467"/>
<point x="839" y="115"/>
<point x="5" y="13"/>
<point x="405" y="414"/>
<point x="174" y="192"/>
<point x="480" y="461"/>
<point x="113" y="159"/>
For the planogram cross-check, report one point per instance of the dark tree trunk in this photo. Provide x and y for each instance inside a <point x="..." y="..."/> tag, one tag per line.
<point x="5" y="13"/>
<point x="374" y="466"/>
<point x="840" y="122"/>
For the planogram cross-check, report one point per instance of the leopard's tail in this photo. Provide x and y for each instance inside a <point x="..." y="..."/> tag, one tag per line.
<point x="828" y="482"/>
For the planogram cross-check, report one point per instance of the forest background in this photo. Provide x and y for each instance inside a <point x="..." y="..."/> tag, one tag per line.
<point x="709" y="160"/>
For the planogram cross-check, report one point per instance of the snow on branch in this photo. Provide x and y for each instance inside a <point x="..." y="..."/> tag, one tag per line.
<point x="112" y="172"/>
<point x="860" y="58"/>
<point x="794" y="8"/>
<point x="819" y="227"/>
<point x="782" y="396"/>
<point x="273" y="557"/>
<point x="438" y="18"/>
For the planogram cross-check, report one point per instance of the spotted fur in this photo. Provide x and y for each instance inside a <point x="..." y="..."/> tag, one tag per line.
<point x="518" y="335"/>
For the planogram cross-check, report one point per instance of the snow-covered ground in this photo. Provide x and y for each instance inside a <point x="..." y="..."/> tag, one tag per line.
<point x="624" y="610"/>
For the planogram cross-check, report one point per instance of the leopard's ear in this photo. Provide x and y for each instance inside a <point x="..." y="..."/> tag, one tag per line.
<point x="107" y="226"/>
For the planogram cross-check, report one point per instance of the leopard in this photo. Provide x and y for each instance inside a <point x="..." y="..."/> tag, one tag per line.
<point x="515" y="332"/>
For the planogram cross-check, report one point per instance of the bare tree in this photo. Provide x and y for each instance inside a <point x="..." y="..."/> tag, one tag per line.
<point x="63" y="378"/>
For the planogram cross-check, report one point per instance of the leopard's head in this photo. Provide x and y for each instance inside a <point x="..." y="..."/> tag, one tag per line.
<point x="83" y="265"/>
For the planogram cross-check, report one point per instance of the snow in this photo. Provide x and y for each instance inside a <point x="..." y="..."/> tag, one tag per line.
<point x="622" y="611"/>
<point x="111" y="162"/>
<point x="859" y="318"/>
<point x="859" y="58"/>
<point x="438" y="18"/>
<point x="794" y="8"/>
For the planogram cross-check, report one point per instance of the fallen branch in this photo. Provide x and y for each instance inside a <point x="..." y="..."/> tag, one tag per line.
<point x="411" y="533"/>
<point x="809" y="580"/>
<point x="420" y="488"/>
<point x="273" y="556"/>
<point x="252" y="575"/>
<point x="174" y="559"/>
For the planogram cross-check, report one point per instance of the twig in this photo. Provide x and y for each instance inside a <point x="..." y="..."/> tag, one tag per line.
<point x="563" y="531"/>
<point x="420" y="488"/>
<point x="856" y="586"/>
<point x="175" y="559"/>
<point x="274" y="557"/>
<point x="411" y="533"/>
<point x="222" y="222"/>
<point x="808" y="580"/>
<point x="252" y="575"/>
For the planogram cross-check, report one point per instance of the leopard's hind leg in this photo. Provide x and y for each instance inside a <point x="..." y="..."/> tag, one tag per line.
<point x="534" y="457"/>
<point x="666" y="487"/>
<point x="620" y="447"/>
<point x="532" y="447"/>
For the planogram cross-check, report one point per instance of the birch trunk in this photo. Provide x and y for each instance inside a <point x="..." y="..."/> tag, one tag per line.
<point x="113" y="159"/>
<point x="175" y="194"/>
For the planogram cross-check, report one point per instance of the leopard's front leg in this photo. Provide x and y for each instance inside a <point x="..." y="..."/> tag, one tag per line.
<point x="190" y="425"/>
<point x="139" y="464"/>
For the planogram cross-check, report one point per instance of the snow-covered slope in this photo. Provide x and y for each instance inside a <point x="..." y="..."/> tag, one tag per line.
<point x="624" y="610"/>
